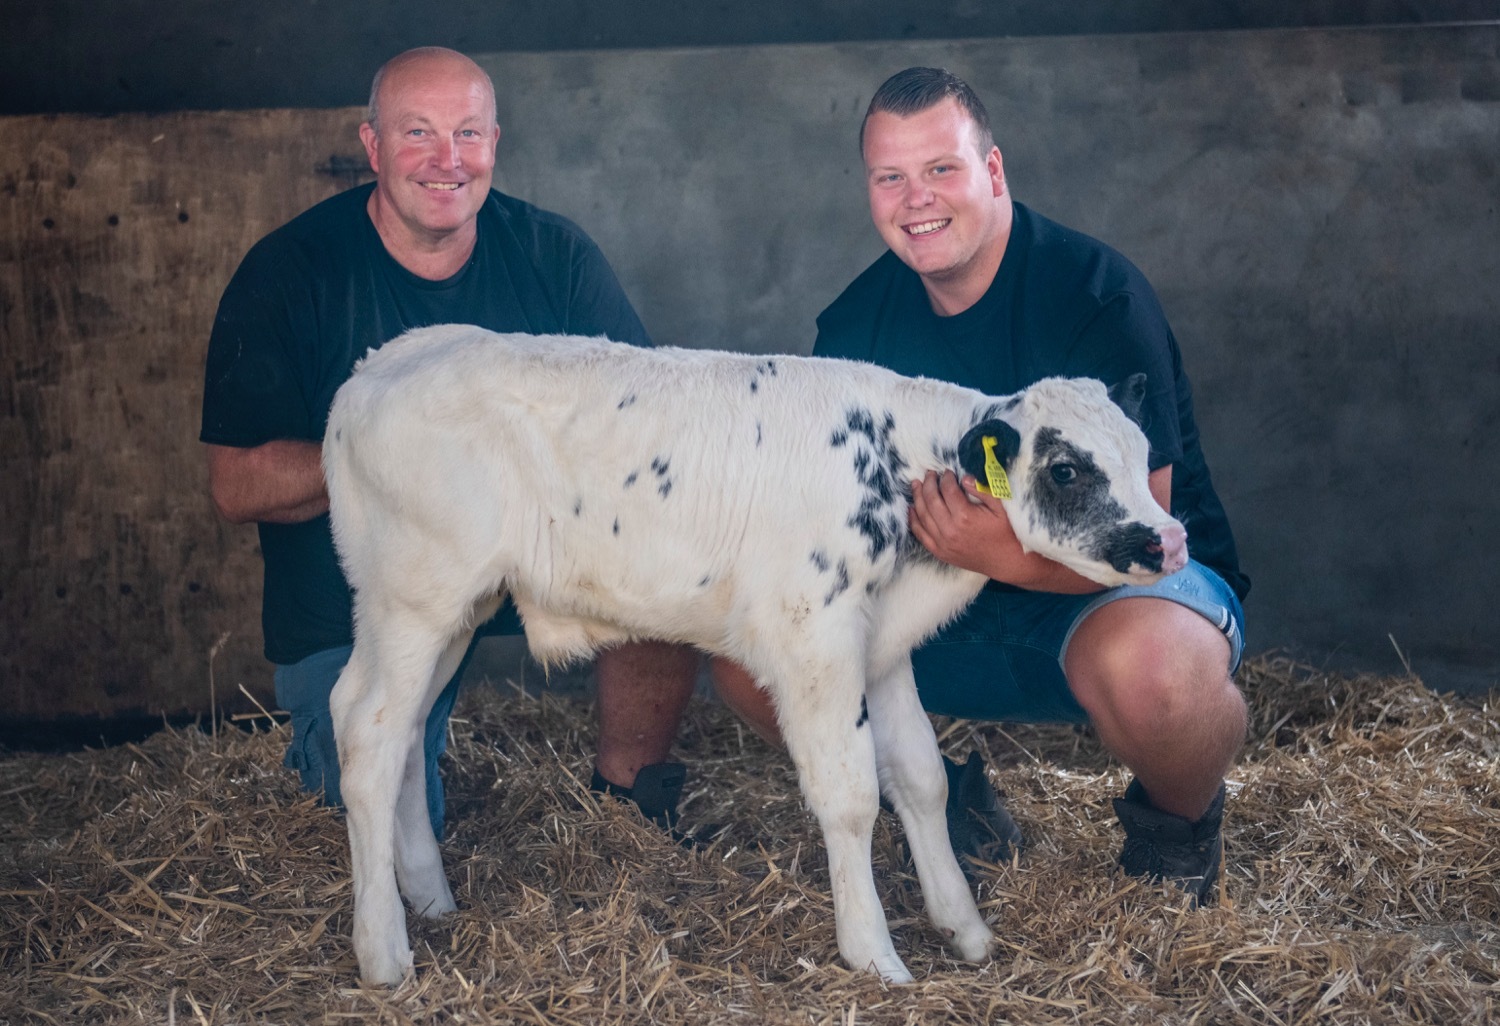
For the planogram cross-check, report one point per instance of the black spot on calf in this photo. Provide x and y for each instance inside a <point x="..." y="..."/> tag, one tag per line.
<point x="629" y="400"/>
<point x="631" y="479"/>
<point x="766" y="368"/>
<point x="860" y="422"/>
<point x="947" y="455"/>
<point x="840" y="583"/>
<point x="864" y="712"/>
<point x="878" y="467"/>
<point x="876" y="522"/>
<point x="820" y="560"/>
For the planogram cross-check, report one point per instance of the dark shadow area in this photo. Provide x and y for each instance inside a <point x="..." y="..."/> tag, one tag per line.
<point x="158" y="55"/>
<point x="80" y="733"/>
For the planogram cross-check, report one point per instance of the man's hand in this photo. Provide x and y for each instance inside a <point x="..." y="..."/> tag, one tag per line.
<point x="966" y="528"/>
<point x="279" y="482"/>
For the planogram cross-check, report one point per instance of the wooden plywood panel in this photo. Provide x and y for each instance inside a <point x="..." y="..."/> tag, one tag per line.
<point x="117" y="236"/>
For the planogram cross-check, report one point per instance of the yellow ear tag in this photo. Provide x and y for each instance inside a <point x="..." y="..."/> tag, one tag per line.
<point x="999" y="484"/>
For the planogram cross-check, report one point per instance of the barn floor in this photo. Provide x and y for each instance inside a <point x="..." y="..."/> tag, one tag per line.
<point x="185" y="880"/>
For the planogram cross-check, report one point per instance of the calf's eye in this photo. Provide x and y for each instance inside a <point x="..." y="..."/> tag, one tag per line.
<point x="1064" y="473"/>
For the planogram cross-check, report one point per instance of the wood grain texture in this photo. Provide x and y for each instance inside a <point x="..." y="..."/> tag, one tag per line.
<point x="117" y="236"/>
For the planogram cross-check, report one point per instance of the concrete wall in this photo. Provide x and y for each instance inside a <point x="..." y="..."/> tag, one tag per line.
<point x="1316" y="208"/>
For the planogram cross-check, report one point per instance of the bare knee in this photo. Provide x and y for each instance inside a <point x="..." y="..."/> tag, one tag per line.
<point x="1150" y="670"/>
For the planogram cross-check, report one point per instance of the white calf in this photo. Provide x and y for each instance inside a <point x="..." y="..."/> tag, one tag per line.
<point x="754" y="507"/>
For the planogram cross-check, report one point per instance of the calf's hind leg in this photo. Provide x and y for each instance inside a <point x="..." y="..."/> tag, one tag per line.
<point x="419" y="863"/>
<point x="378" y="707"/>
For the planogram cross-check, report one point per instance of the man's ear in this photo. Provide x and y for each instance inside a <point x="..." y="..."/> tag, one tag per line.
<point x="971" y="447"/>
<point x="369" y="137"/>
<point x="1129" y="395"/>
<point x="995" y="165"/>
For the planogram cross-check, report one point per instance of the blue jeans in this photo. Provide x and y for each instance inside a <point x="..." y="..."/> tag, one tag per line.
<point x="1002" y="659"/>
<point x="302" y="689"/>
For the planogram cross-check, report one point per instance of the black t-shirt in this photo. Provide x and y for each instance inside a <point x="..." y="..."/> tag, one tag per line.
<point x="314" y="296"/>
<point x="1062" y="304"/>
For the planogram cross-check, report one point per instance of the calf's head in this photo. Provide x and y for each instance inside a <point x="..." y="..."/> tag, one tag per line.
<point x="1077" y="473"/>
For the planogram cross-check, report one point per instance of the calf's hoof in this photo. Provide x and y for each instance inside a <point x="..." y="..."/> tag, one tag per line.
<point x="385" y="967"/>
<point x="890" y="969"/>
<point x="974" y="944"/>
<point x="425" y="888"/>
<point x="433" y="905"/>
<point x="438" y="908"/>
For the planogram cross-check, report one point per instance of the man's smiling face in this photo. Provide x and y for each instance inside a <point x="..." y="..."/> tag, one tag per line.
<point x="433" y="150"/>
<point x="934" y="192"/>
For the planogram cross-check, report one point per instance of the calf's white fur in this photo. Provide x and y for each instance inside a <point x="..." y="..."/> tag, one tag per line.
<point x="753" y="507"/>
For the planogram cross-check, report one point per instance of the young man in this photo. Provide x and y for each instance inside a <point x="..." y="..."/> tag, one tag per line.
<point x="429" y="242"/>
<point x="980" y="290"/>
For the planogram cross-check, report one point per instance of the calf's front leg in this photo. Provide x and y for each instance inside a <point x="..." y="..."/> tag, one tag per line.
<point x="823" y="722"/>
<point x="912" y="778"/>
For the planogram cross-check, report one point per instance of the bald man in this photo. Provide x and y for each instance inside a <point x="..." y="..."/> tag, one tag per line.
<point x="430" y="241"/>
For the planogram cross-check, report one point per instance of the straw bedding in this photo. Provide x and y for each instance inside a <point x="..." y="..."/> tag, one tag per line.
<point x="186" y="880"/>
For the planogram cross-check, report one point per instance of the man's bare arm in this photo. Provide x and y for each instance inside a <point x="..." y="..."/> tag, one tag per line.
<point x="280" y="482"/>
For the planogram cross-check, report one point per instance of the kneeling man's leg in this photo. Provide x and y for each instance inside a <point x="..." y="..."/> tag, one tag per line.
<point x="1153" y="669"/>
<point x="1153" y="677"/>
<point x="643" y="691"/>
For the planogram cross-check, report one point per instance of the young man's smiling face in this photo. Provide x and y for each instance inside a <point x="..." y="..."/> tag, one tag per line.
<point x="937" y="198"/>
<point x="434" y="148"/>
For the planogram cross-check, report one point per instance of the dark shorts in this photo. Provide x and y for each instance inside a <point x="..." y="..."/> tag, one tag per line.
<point x="1002" y="659"/>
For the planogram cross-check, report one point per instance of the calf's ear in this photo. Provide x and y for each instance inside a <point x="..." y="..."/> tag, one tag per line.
<point x="971" y="446"/>
<point x="1129" y="395"/>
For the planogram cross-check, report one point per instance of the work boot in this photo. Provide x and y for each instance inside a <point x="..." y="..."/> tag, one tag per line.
<point x="655" y="792"/>
<point x="978" y="823"/>
<point x="1161" y="846"/>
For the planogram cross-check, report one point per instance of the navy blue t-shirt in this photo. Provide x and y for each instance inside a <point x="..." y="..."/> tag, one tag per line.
<point x="1062" y="304"/>
<point x="314" y="296"/>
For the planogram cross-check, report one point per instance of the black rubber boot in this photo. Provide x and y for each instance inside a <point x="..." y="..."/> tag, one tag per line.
<point x="1161" y="846"/>
<point x="656" y="791"/>
<point x="978" y="823"/>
